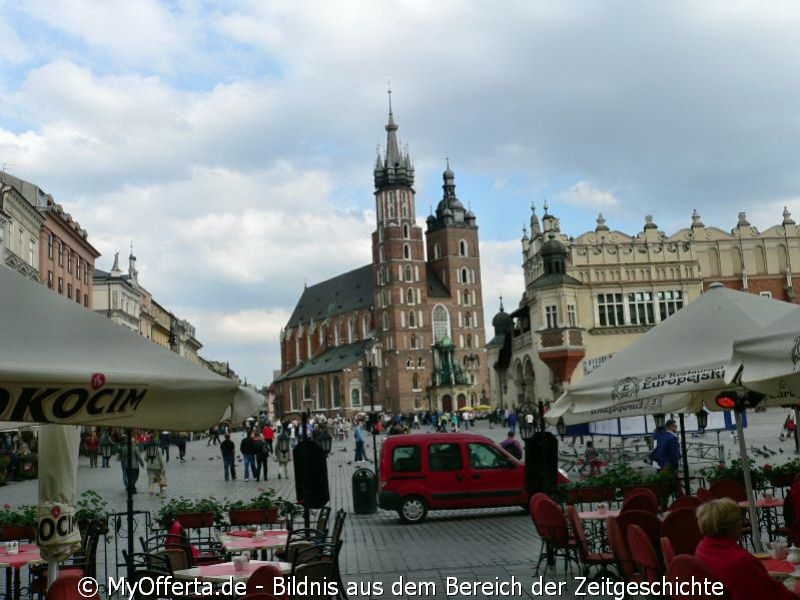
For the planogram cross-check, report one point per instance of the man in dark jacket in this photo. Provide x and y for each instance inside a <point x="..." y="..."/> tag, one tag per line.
<point x="228" y="457"/>
<point x="667" y="453"/>
<point x="247" y="448"/>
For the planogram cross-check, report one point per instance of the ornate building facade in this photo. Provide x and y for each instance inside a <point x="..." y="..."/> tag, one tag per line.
<point x="415" y="312"/>
<point x="589" y="296"/>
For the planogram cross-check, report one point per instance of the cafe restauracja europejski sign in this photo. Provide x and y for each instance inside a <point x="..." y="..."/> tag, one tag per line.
<point x="64" y="404"/>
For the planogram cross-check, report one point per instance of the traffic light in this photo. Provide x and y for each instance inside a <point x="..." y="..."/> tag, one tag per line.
<point x="738" y="401"/>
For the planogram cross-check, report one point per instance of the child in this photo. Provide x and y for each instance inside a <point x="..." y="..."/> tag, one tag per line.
<point x="592" y="458"/>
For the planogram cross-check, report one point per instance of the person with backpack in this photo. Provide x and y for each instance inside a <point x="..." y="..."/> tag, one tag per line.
<point x="512" y="446"/>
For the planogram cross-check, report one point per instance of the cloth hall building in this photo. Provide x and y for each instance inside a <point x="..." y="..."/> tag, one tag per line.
<point x="415" y="312"/>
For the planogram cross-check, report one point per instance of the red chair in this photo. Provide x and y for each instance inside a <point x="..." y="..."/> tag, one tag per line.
<point x="641" y="501"/>
<point x="536" y="499"/>
<point x="619" y="547"/>
<point x="685" y="502"/>
<point x="65" y="587"/>
<point x="728" y="488"/>
<point x="554" y="530"/>
<point x="687" y="568"/>
<point x="263" y="580"/>
<point x="637" y="491"/>
<point x="644" y="555"/>
<point x="680" y="526"/>
<point x="667" y="551"/>
<point x="649" y="522"/>
<point x="704" y="495"/>
<point x="587" y="556"/>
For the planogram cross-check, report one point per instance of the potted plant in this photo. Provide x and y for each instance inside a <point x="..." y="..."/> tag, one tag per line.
<point x="256" y="511"/>
<point x="782" y="475"/>
<point x="18" y="523"/>
<point x="92" y="510"/>
<point x="192" y="513"/>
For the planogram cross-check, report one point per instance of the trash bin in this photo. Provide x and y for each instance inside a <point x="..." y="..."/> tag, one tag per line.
<point x="364" y="492"/>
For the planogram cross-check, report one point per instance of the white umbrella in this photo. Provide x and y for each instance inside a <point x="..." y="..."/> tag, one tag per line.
<point x="677" y="366"/>
<point x="64" y="364"/>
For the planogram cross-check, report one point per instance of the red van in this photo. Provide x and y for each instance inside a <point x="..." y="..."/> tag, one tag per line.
<point x="432" y="471"/>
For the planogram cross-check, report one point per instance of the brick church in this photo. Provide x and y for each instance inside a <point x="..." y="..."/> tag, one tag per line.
<point x="415" y="312"/>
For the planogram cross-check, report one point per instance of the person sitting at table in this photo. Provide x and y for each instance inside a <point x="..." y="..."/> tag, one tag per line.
<point x="743" y="575"/>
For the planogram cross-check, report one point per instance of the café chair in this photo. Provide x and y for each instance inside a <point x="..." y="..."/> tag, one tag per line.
<point x="681" y="527"/>
<point x="688" y="568"/>
<point x="644" y="554"/>
<point x="554" y="530"/>
<point x="685" y="502"/>
<point x="667" y="551"/>
<point x="66" y="587"/>
<point x="588" y="558"/>
<point x="640" y="501"/>
<point x="262" y="581"/>
<point x="619" y="548"/>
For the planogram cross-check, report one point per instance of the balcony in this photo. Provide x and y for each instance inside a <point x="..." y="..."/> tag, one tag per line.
<point x="561" y="349"/>
<point x="12" y="261"/>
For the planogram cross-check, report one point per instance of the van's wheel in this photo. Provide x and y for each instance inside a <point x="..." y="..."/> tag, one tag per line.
<point x="412" y="509"/>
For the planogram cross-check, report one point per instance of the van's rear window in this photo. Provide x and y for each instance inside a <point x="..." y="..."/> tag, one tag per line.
<point x="406" y="458"/>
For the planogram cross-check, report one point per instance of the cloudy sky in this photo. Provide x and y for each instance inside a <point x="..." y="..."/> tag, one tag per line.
<point x="233" y="142"/>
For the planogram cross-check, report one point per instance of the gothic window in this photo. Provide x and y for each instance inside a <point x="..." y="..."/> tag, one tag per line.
<point x="437" y="251"/>
<point x="307" y="390"/>
<point x="411" y="319"/>
<point x="337" y="393"/>
<point x="364" y="327"/>
<point x="464" y="276"/>
<point x="385" y="318"/>
<point x="355" y="397"/>
<point x="415" y="381"/>
<point x="381" y="256"/>
<point x="320" y="393"/>
<point x="469" y="340"/>
<point x="404" y="207"/>
<point x="350" y="330"/>
<point x="467" y="319"/>
<point x="420" y="361"/>
<point x="466" y="297"/>
<point x="462" y="248"/>
<point x="405" y="230"/>
<point x="391" y="209"/>
<point x="406" y="251"/>
<point x="293" y="397"/>
<point x="410" y="296"/>
<point x="408" y="273"/>
<point x="413" y="342"/>
<point x="441" y="323"/>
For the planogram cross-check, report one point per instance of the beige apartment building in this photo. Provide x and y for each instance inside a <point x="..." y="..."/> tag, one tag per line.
<point x="588" y="297"/>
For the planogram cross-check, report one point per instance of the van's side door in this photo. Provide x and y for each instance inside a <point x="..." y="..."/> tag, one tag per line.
<point x="494" y="479"/>
<point x="447" y="480"/>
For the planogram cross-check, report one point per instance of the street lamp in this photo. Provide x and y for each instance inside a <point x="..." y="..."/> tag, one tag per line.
<point x="526" y="431"/>
<point x="660" y="419"/>
<point x="702" y="419"/>
<point x="371" y="386"/>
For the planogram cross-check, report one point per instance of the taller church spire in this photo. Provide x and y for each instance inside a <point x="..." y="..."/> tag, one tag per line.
<point x="394" y="169"/>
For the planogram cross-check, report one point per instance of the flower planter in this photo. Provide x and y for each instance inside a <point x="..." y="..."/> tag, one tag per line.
<point x="782" y="480"/>
<point x="253" y="516"/>
<point x="661" y="490"/>
<point x="598" y="494"/>
<point x="195" y="520"/>
<point x="17" y="532"/>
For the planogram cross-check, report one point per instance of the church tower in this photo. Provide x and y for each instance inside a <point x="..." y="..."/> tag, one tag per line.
<point x="453" y="255"/>
<point x="398" y="257"/>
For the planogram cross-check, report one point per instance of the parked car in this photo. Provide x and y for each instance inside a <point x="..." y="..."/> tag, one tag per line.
<point x="424" y="471"/>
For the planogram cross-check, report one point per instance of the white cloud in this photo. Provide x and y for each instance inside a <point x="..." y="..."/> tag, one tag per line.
<point x="587" y="195"/>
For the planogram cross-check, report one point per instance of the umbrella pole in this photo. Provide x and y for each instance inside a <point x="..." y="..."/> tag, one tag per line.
<point x="796" y="432"/>
<point x="686" y="484"/>
<point x="129" y="491"/>
<point x="748" y="483"/>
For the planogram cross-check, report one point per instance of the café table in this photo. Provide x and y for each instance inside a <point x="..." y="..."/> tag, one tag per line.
<point x="596" y="527"/>
<point x="28" y="555"/>
<point x="767" y="513"/>
<point x="246" y="541"/>
<point x="225" y="572"/>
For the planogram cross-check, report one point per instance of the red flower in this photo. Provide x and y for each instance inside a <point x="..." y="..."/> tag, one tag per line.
<point x="56" y="512"/>
<point x="6" y="505"/>
<point x="768" y="467"/>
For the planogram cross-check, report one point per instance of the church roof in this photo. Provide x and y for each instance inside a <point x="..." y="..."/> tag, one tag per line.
<point x="349" y="291"/>
<point x="330" y="361"/>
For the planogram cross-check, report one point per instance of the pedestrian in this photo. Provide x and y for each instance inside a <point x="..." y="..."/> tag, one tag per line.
<point x="130" y="476"/>
<point x="228" y="451"/>
<point x="591" y="458"/>
<point x="292" y="434"/>
<point x="283" y="458"/>
<point x="155" y="470"/>
<point x="105" y="440"/>
<point x="269" y="435"/>
<point x="181" y="440"/>
<point x="92" y="448"/>
<point x="512" y="446"/>
<point x="667" y="453"/>
<point x="258" y="454"/>
<point x="358" y="436"/>
<point x="248" y="454"/>
<point x="512" y="422"/>
<point x="164" y="442"/>
<point x="262" y="457"/>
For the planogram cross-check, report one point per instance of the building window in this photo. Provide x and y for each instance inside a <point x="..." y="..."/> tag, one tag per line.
<point x="469" y="340"/>
<point x="462" y="248"/>
<point x="60" y="253"/>
<point x="50" y="279"/>
<point x="572" y="318"/>
<point x="467" y="319"/>
<point x="60" y="285"/>
<point x="410" y="296"/>
<point x="551" y="316"/>
<point x="441" y="323"/>
<point x="408" y="273"/>
<point x="355" y="397"/>
<point x="413" y="342"/>
<point x="50" y="245"/>
<point x="437" y="251"/>
<point x="464" y="276"/>
<point x="412" y="322"/>
<point x="640" y="305"/>
<point x="31" y="252"/>
<point x="86" y="300"/>
<point x="69" y="261"/>
<point x="69" y="291"/>
<point x="86" y="273"/>
<point x="765" y="294"/>
<point x="669" y="303"/>
<point x="307" y="390"/>
<point x="405" y="230"/>
<point x="293" y="397"/>
<point x="466" y="297"/>
<point x="415" y="381"/>
<point x="611" y="310"/>
<point x="385" y="319"/>
<point x="337" y="393"/>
